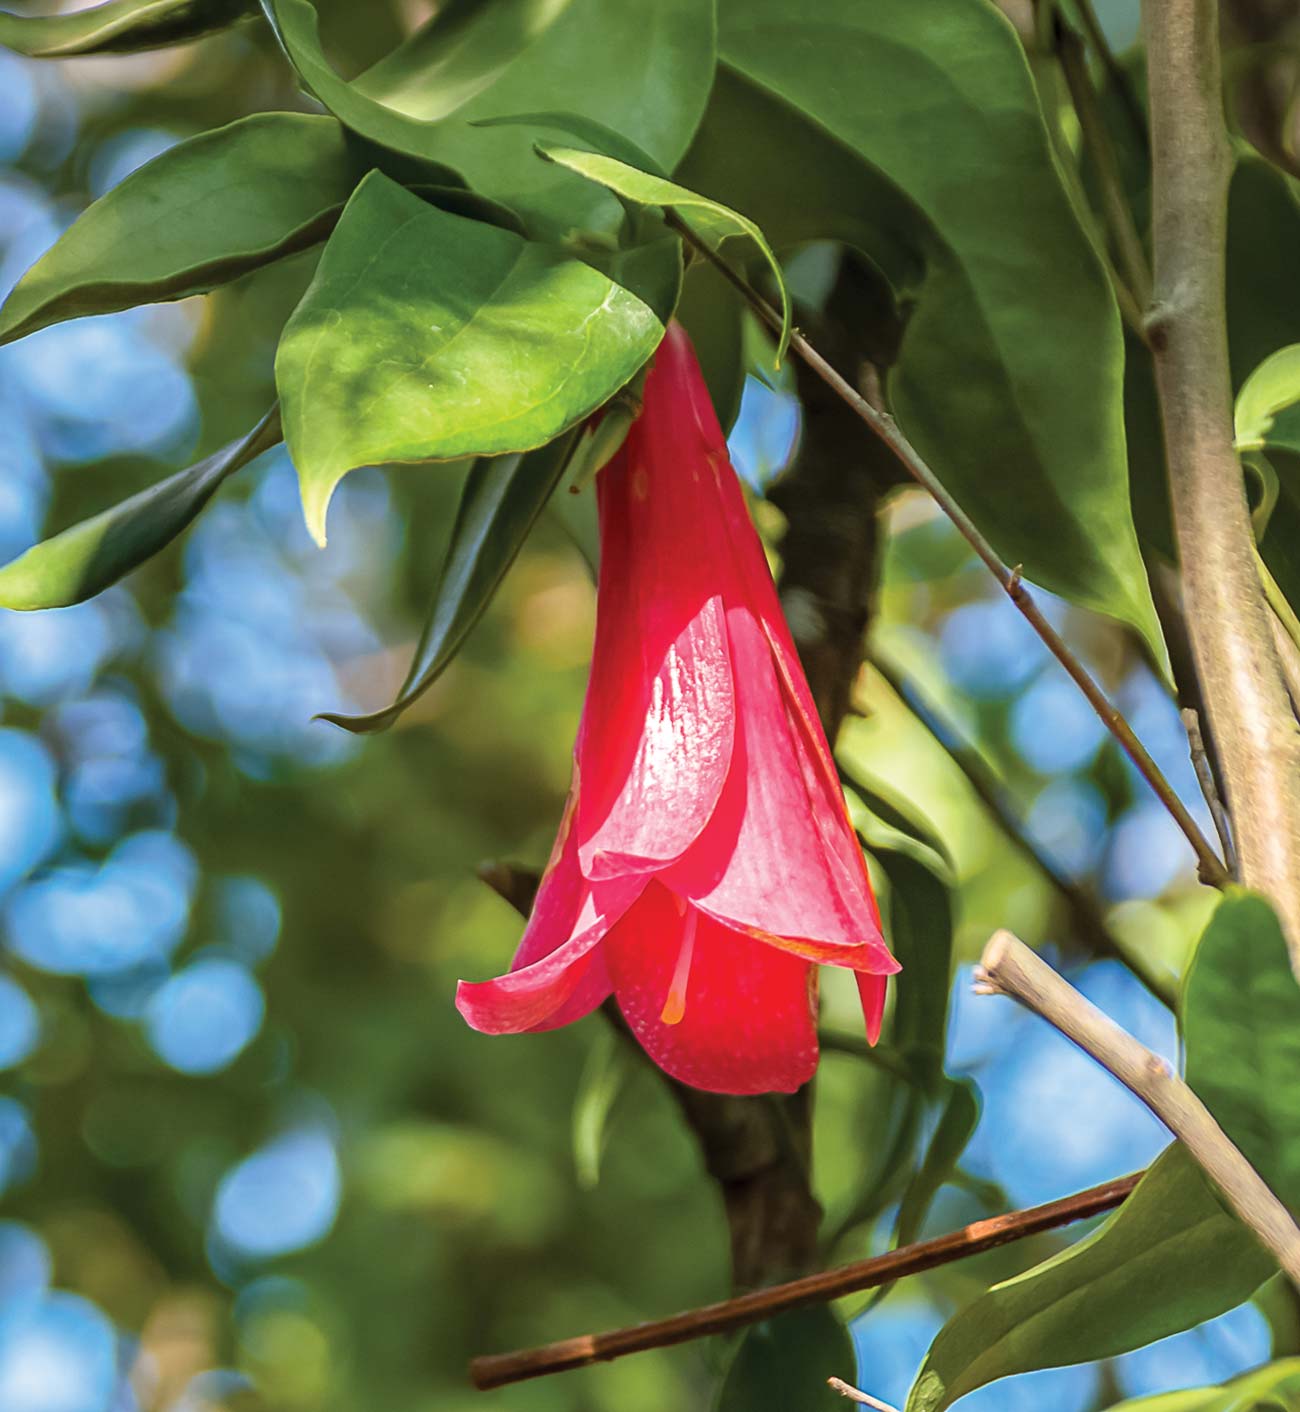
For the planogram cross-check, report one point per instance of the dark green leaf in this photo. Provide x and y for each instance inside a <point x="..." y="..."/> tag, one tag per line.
<point x="954" y="1130"/>
<point x="1272" y="1388"/>
<point x="204" y="212"/>
<point x="782" y="1364"/>
<point x="119" y="27"/>
<point x="502" y="499"/>
<point x="920" y="929"/>
<point x="1169" y="1258"/>
<point x="476" y="60"/>
<point x="873" y="120"/>
<point x="711" y="221"/>
<point x="1241" y="1025"/>
<point x="85" y="559"/>
<point x="428" y="337"/>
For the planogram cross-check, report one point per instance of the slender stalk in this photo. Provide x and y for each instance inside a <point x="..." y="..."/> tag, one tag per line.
<point x="1205" y="778"/>
<point x="496" y="1370"/>
<point x="1009" y="967"/>
<point x="1114" y="69"/>
<point x="1250" y="714"/>
<point x="1210" y="867"/>
<point x="1089" y="922"/>
<point x="1129" y="251"/>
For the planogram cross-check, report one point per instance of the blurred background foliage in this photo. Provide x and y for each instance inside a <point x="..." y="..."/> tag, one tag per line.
<point x="250" y="1157"/>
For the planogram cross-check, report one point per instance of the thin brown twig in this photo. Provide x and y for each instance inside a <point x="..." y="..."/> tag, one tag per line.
<point x="1205" y="778"/>
<point x="1009" y="967"/>
<point x="1210" y="867"/>
<point x="496" y="1370"/>
<point x="1115" y="70"/>
<point x="1089" y="921"/>
<point x="1131" y="256"/>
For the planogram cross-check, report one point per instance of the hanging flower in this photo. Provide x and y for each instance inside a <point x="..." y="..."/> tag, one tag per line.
<point x="705" y="862"/>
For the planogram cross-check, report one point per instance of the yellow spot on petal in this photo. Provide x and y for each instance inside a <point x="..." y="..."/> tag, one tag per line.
<point x="640" y="483"/>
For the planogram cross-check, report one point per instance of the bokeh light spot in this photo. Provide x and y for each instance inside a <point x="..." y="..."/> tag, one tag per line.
<point x="280" y="1199"/>
<point x="20" y="1023"/>
<point x="204" y="1016"/>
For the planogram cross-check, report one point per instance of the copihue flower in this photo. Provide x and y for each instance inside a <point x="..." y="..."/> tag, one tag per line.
<point x="705" y="863"/>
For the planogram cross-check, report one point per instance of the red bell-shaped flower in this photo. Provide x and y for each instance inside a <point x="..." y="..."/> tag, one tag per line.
<point x="705" y="861"/>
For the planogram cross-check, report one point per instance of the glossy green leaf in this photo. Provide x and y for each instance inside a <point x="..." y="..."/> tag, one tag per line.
<point x="782" y="1364"/>
<point x="1241" y="1025"/>
<point x="1272" y="1388"/>
<point x="711" y="221"/>
<point x="428" y="337"/>
<point x="474" y="60"/>
<point x="1169" y="1258"/>
<point x="873" y="121"/>
<point x="1267" y="414"/>
<point x="85" y="559"/>
<point x="204" y="212"/>
<point x="502" y="499"/>
<point x="119" y="27"/>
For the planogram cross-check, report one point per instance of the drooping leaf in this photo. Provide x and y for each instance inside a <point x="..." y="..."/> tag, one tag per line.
<point x="204" y="212"/>
<point x="783" y="1363"/>
<point x="1168" y="1259"/>
<point x="85" y="559"/>
<point x="1273" y="1388"/>
<point x="711" y="221"/>
<point x="119" y="27"/>
<point x="1241" y="1025"/>
<point x="920" y="929"/>
<point x="474" y="60"/>
<point x="428" y="337"/>
<point x="610" y="1063"/>
<point x="872" y="120"/>
<point x="1267" y="414"/>
<point x="502" y="499"/>
<point x="955" y="1128"/>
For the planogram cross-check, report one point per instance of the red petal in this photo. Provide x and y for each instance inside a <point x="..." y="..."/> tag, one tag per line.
<point x="557" y="974"/>
<point x="779" y="857"/>
<point x="764" y="864"/>
<point x="871" y="992"/>
<point x="748" y="1024"/>
<point x="659" y="719"/>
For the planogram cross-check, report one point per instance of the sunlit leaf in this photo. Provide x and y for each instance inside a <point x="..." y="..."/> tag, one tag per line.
<point x="1267" y="415"/>
<point x="502" y="499"/>
<point x="1272" y="1388"/>
<point x="474" y="60"/>
<point x="119" y="27"/>
<point x="1012" y="356"/>
<point x="85" y="559"/>
<point x="1168" y="1259"/>
<point x="783" y="1363"/>
<point x="203" y="213"/>
<point x="428" y="337"/>
<point x="710" y="220"/>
